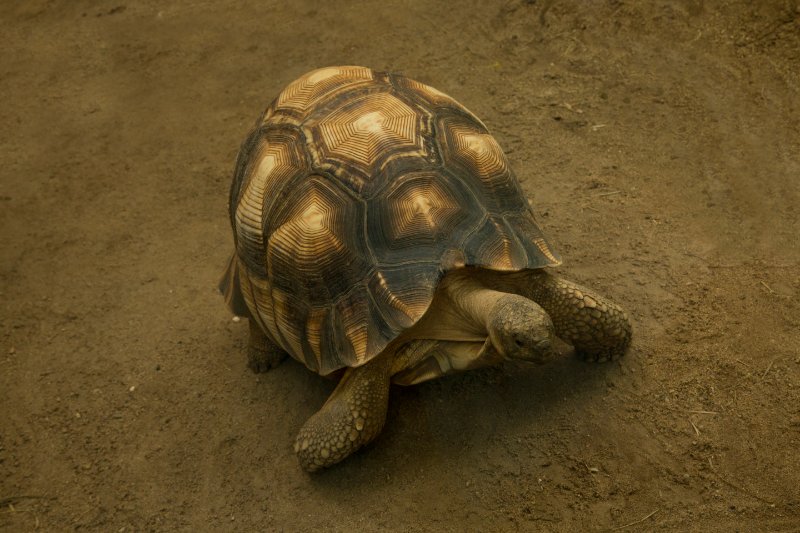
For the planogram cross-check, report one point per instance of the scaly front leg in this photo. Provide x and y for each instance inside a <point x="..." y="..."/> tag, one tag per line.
<point x="353" y="416"/>
<point x="598" y="328"/>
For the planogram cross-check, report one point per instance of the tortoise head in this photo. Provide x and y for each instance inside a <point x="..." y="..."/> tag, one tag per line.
<point x="520" y="329"/>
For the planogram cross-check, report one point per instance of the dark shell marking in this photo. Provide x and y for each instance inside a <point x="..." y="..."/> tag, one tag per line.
<point x="354" y="194"/>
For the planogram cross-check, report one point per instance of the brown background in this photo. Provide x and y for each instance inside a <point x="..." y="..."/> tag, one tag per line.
<point x="660" y="142"/>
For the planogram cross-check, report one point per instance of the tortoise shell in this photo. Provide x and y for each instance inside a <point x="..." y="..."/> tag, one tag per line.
<point x="353" y="195"/>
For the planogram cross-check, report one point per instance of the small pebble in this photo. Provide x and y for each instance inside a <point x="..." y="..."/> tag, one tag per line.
<point x="236" y="319"/>
<point x="133" y="388"/>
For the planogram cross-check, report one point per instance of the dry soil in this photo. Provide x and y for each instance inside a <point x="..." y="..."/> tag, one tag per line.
<point x="659" y="142"/>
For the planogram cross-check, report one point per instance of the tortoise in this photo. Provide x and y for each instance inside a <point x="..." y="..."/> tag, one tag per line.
<point x="381" y="237"/>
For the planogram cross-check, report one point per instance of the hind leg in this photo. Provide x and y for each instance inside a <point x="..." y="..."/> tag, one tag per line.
<point x="598" y="328"/>
<point x="262" y="353"/>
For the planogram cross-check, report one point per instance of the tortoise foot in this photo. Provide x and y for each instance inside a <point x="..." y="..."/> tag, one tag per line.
<point x="262" y="354"/>
<point x="352" y="417"/>
<point x="598" y="328"/>
<point x="261" y="360"/>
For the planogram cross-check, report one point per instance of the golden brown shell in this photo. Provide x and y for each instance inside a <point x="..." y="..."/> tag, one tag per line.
<point x="354" y="194"/>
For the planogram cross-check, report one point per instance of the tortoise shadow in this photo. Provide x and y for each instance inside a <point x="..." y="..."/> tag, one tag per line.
<point x="426" y="423"/>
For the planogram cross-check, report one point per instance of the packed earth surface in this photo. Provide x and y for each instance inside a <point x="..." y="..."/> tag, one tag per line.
<point x="658" y="141"/>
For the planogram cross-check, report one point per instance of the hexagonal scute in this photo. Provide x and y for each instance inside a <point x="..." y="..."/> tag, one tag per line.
<point x="270" y="161"/>
<point x="431" y="97"/>
<point x="359" y="329"/>
<point x="316" y="247"/>
<point x="359" y="139"/>
<point x="495" y="246"/>
<point x="403" y="293"/>
<point x="346" y="332"/>
<point x="532" y="239"/>
<point x="313" y="89"/>
<point x="420" y="216"/>
<point x="469" y="150"/>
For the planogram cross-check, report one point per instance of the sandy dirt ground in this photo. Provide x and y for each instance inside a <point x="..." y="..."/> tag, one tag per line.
<point x="659" y="141"/>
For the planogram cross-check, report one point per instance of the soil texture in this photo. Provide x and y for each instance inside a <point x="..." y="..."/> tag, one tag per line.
<point x="659" y="142"/>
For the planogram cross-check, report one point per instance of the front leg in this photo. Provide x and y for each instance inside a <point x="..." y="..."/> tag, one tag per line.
<point x="352" y="417"/>
<point x="598" y="328"/>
